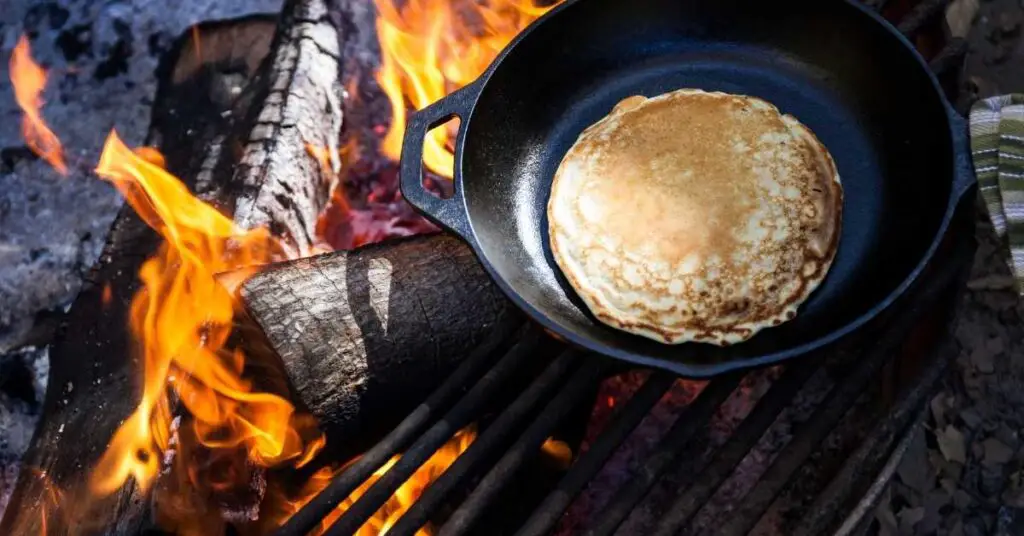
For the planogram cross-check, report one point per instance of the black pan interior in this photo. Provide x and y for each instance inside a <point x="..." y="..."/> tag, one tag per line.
<point x="838" y="70"/>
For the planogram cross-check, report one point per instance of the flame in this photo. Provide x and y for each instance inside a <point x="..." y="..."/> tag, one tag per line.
<point x="328" y="158"/>
<point x="181" y="320"/>
<point x="29" y="79"/>
<point x="392" y="510"/>
<point x="432" y="47"/>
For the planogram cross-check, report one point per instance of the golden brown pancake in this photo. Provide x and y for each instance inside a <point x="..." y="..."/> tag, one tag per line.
<point x="695" y="216"/>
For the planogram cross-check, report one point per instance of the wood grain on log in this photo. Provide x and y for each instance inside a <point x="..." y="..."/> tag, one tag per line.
<point x="279" y="181"/>
<point x="94" y="377"/>
<point x="366" y="335"/>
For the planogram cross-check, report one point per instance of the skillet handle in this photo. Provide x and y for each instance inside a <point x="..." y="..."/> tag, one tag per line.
<point x="964" y="178"/>
<point x="449" y="213"/>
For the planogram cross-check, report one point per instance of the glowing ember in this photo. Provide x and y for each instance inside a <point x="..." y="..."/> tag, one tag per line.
<point x="181" y="320"/>
<point x="558" y="452"/>
<point x="432" y="47"/>
<point x="29" y="79"/>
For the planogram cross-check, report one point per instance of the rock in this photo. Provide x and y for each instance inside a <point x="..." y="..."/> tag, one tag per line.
<point x="914" y="469"/>
<point x="960" y="15"/>
<point x="908" y="518"/>
<point x="992" y="481"/>
<point x="951" y="444"/>
<point x="977" y="451"/>
<point x="974" y="526"/>
<point x="971" y="418"/>
<point x="934" y="502"/>
<point x="939" y="405"/>
<point x="973" y="381"/>
<point x="1010" y="521"/>
<point x="996" y="452"/>
<point x="887" y="523"/>
<point x="962" y="500"/>
<point x="1008" y="24"/>
<point x="1007" y="435"/>
<point x="1014" y="496"/>
<point x="953" y="470"/>
<point x="949" y="485"/>
<point x="996" y="345"/>
<point x="983" y="361"/>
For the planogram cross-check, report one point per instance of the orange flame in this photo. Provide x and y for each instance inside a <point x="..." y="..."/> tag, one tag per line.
<point x="432" y="47"/>
<point x="181" y="321"/>
<point x="29" y="79"/>
<point x="328" y="158"/>
<point x="390" y="512"/>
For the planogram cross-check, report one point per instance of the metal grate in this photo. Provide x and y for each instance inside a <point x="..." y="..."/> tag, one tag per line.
<point x="473" y="483"/>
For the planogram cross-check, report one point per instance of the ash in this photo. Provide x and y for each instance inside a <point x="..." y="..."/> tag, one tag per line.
<point x="22" y="386"/>
<point x="101" y="58"/>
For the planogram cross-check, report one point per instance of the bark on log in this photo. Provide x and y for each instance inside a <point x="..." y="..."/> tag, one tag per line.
<point x="279" y="182"/>
<point x="366" y="335"/>
<point x="94" y="378"/>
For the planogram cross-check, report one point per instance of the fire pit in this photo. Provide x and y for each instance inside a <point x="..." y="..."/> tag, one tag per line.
<point x="392" y="386"/>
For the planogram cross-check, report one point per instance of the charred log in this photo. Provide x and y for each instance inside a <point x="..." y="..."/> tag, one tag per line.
<point x="366" y="335"/>
<point x="211" y="113"/>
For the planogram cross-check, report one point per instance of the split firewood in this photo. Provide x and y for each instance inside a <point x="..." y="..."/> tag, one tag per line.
<point x="208" y="117"/>
<point x="366" y="335"/>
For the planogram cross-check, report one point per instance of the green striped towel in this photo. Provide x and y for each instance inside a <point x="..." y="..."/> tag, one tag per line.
<point x="997" y="148"/>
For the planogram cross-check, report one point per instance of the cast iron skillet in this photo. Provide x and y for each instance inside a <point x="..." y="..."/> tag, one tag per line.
<point x="840" y="69"/>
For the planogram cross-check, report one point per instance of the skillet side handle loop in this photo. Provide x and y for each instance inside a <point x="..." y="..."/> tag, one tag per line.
<point x="449" y="213"/>
<point x="964" y="179"/>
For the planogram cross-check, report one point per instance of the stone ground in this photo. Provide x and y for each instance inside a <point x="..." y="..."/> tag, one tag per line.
<point x="101" y="57"/>
<point x="965" y="475"/>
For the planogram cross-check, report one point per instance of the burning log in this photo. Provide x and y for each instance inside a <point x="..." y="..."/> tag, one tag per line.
<point x="366" y="335"/>
<point x="206" y="121"/>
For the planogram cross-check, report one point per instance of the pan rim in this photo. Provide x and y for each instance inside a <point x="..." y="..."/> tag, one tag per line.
<point x="711" y="369"/>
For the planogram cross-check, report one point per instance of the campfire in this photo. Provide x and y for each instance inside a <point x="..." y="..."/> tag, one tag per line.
<point x="210" y="423"/>
<point x="275" y="341"/>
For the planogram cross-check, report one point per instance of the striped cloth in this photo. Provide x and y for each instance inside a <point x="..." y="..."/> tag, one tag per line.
<point x="997" y="147"/>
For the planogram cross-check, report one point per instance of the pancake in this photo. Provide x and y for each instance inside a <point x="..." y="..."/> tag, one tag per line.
<point x="695" y="216"/>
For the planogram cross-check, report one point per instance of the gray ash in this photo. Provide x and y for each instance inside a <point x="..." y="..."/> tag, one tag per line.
<point x="23" y="376"/>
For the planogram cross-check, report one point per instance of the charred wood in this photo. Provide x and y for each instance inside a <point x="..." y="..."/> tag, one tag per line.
<point x="366" y="335"/>
<point x="219" y="99"/>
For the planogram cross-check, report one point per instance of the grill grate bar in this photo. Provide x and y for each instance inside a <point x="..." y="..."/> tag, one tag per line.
<point x="310" y="516"/>
<point x="749" y="432"/>
<point x="494" y="438"/>
<point x="464" y="411"/>
<point x="880" y="443"/>
<point x="527" y="446"/>
<point x="425" y="430"/>
<point x="875" y="447"/>
<point x="588" y="464"/>
<point x="830" y="411"/>
<point x="860" y="519"/>
<point x="694" y="417"/>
